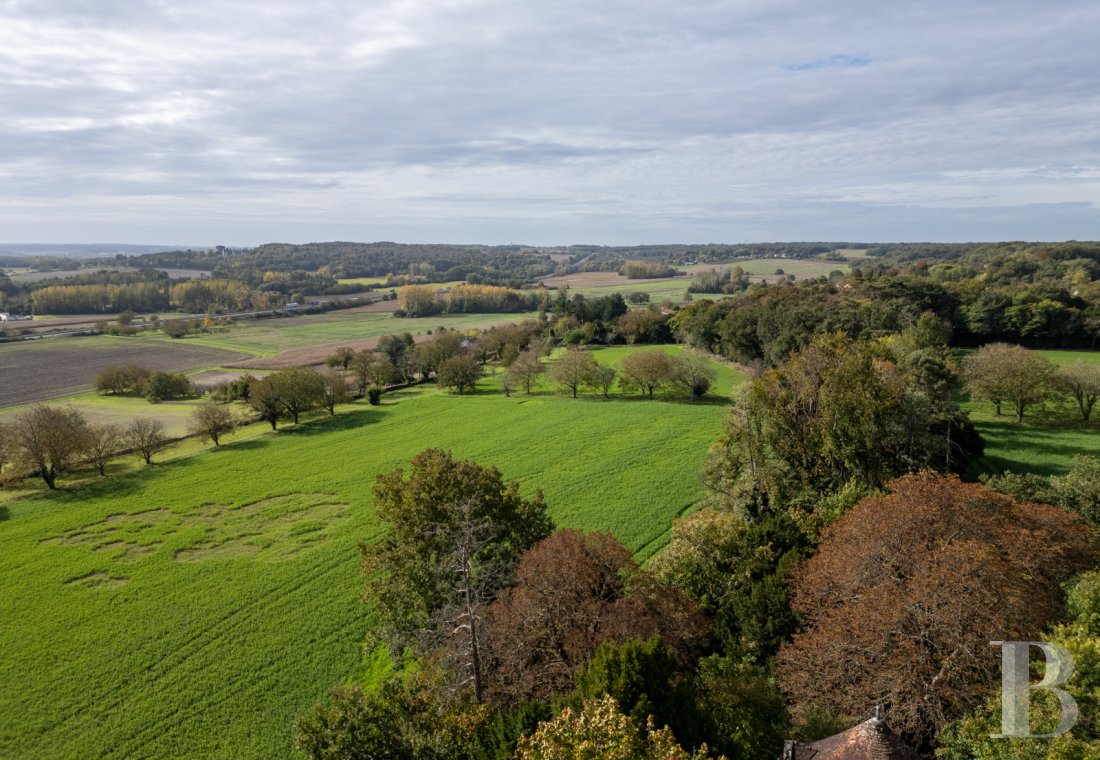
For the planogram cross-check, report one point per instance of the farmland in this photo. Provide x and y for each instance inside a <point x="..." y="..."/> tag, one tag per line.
<point x="45" y="369"/>
<point x="192" y="608"/>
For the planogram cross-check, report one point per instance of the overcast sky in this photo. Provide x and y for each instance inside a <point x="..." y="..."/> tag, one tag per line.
<point x="548" y="121"/>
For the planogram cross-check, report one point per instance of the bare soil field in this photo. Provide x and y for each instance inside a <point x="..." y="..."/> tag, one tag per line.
<point x="46" y="369"/>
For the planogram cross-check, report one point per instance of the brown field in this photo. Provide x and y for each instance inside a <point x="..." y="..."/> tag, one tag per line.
<point x="311" y="356"/>
<point x="45" y="369"/>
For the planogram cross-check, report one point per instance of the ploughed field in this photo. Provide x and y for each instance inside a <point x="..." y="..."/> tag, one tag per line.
<point x="192" y="608"/>
<point x="45" y="369"/>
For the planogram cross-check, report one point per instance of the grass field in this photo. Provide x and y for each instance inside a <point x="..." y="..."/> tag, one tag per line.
<point x="1048" y="438"/>
<point x="192" y="608"/>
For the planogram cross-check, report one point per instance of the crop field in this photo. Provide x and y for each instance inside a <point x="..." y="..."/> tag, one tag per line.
<point x="45" y="369"/>
<point x="192" y="608"/>
<point x="268" y="337"/>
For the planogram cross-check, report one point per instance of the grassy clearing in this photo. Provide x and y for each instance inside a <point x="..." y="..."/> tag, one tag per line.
<point x="798" y="267"/>
<point x="192" y="608"/>
<point x="362" y="281"/>
<point x="1046" y="441"/>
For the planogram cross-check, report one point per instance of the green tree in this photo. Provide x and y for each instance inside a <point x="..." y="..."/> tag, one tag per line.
<point x="264" y="398"/>
<point x="447" y="519"/>
<point x="1000" y="372"/>
<point x="600" y="731"/>
<point x="299" y="390"/>
<point x="693" y="371"/>
<point x="459" y="372"/>
<point x="341" y="358"/>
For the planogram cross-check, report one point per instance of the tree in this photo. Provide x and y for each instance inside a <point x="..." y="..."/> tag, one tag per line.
<point x="175" y="328"/>
<point x="573" y="369"/>
<point x="836" y="417"/>
<point x="165" y="386"/>
<point x="525" y="370"/>
<point x="103" y="443"/>
<point x="264" y="398"/>
<point x="299" y="389"/>
<point x="603" y="379"/>
<point x="694" y="372"/>
<point x="49" y="441"/>
<point x="341" y="358"/>
<point x="600" y="731"/>
<point x="459" y="372"/>
<point x="403" y="718"/>
<point x="334" y="392"/>
<point x="146" y="435"/>
<point x="1000" y="372"/>
<point x="116" y="380"/>
<point x="572" y="593"/>
<point x="1082" y="381"/>
<point x="211" y="420"/>
<point x="372" y="368"/>
<point x="455" y="531"/>
<point x="7" y="448"/>
<point x="906" y="591"/>
<point x="648" y="370"/>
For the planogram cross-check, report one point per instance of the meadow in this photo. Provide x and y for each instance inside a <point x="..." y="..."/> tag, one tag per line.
<point x="1048" y="439"/>
<point x="192" y="608"/>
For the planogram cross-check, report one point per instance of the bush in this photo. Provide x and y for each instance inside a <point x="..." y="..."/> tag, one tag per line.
<point x="164" y="386"/>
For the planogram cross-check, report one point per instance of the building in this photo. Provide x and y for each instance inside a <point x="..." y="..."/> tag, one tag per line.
<point x="870" y="740"/>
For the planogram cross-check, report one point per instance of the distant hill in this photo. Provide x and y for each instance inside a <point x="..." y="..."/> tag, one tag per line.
<point x="80" y="250"/>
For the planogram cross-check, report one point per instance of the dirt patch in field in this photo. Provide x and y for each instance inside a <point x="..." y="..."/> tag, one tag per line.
<point x="273" y="528"/>
<point x="98" y="580"/>
<point x="215" y="377"/>
<point x="47" y="369"/>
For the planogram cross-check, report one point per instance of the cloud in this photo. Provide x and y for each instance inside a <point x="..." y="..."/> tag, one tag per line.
<point x="491" y="121"/>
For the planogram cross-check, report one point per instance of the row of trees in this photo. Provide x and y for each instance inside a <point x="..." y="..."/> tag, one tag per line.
<point x="100" y="299"/>
<point x="49" y="442"/>
<point x="1013" y="375"/>
<point x="154" y="386"/>
<point x="426" y="300"/>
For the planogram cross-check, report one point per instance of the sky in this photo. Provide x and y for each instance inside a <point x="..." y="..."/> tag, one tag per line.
<point x="548" y="122"/>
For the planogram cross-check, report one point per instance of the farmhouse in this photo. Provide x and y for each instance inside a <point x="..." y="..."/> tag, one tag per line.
<point x="870" y="740"/>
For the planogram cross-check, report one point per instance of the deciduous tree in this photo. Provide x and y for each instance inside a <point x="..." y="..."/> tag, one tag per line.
<point x="603" y="379"/>
<point x="1081" y="380"/>
<point x="455" y="529"/>
<point x="573" y="369"/>
<point x="49" y="441"/>
<point x="334" y="392"/>
<point x="648" y="370"/>
<point x="1000" y="372"/>
<point x="907" y="590"/>
<point x="147" y="436"/>
<point x="525" y="370"/>
<point x="103" y="443"/>
<point x="211" y="420"/>
<point x="459" y="372"/>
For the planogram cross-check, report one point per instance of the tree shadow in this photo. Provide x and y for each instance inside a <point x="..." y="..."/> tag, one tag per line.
<point x="5" y="514"/>
<point x="344" y="421"/>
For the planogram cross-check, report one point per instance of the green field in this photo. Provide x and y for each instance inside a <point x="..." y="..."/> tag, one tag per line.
<point x="191" y="609"/>
<point x="1047" y="440"/>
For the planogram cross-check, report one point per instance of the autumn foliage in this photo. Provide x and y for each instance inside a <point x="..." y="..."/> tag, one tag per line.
<point x="907" y="590"/>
